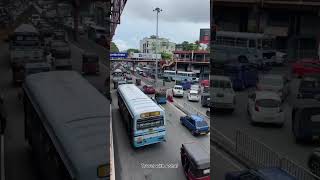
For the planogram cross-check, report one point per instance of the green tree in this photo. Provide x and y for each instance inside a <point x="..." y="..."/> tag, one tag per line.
<point x="166" y="56"/>
<point x="113" y="47"/>
<point x="185" y="45"/>
<point x="131" y="50"/>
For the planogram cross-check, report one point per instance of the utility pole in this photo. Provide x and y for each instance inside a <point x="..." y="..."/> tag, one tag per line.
<point x="76" y="6"/>
<point x="158" y="10"/>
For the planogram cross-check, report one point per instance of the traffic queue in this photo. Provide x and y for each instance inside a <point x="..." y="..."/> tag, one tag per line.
<point x="268" y="93"/>
<point x="195" y="160"/>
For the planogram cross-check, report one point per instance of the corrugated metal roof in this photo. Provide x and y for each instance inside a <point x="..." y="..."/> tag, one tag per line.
<point x="78" y="114"/>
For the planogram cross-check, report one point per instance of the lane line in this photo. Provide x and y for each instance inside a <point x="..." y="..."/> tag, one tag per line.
<point x="227" y="158"/>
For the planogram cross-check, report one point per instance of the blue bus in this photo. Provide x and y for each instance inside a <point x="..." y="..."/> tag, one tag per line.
<point x="241" y="75"/>
<point x="144" y="119"/>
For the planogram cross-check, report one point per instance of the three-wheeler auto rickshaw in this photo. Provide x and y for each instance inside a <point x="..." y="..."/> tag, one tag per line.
<point x="195" y="161"/>
<point x="306" y="119"/>
<point x="138" y="81"/>
<point x="90" y="63"/>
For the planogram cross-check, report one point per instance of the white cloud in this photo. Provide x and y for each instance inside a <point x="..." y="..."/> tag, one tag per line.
<point x="180" y="20"/>
<point x="121" y="44"/>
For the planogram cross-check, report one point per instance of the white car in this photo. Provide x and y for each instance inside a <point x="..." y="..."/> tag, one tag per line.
<point x="275" y="83"/>
<point x="195" y="87"/>
<point x="222" y="92"/>
<point x="193" y="95"/>
<point x="177" y="90"/>
<point x="265" y="107"/>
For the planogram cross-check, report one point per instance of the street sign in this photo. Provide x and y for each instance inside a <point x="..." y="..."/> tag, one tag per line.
<point x="118" y="55"/>
<point x="146" y="56"/>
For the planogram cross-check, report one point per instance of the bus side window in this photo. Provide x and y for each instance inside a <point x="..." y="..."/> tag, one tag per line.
<point x="252" y="43"/>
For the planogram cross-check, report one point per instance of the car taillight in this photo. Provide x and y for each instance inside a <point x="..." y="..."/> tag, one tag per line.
<point x="256" y="108"/>
<point x="258" y="87"/>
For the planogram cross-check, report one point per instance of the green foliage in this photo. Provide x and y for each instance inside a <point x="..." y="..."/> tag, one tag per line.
<point x="133" y="50"/>
<point x="186" y="46"/>
<point x="113" y="47"/>
<point x="166" y="56"/>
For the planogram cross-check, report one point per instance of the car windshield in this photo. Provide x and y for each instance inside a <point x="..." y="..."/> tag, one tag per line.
<point x="193" y="94"/>
<point x="180" y="88"/>
<point x="272" y="81"/>
<point x="59" y="44"/>
<point x="268" y="103"/>
<point x="201" y="124"/>
<point x="221" y="84"/>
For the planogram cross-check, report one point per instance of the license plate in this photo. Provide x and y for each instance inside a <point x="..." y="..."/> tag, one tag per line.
<point x="203" y="133"/>
<point x="268" y="118"/>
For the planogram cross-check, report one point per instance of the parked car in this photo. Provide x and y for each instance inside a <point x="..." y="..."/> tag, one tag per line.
<point x="177" y="90"/>
<point x="148" y="89"/>
<point x="196" y="124"/>
<point x="275" y="83"/>
<point x="305" y="67"/>
<point x="195" y="161"/>
<point x="309" y="87"/>
<point x="222" y="92"/>
<point x="265" y="107"/>
<point x="260" y="174"/>
<point x="193" y="95"/>
<point x="306" y="119"/>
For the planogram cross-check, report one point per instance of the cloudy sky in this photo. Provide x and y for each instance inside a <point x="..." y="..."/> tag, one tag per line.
<point x="179" y="21"/>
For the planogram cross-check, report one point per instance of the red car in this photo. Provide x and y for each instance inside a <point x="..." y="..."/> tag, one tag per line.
<point x="148" y="89"/>
<point x="306" y="67"/>
<point x="205" y="83"/>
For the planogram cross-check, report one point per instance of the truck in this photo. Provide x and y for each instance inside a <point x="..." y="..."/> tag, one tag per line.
<point x="61" y="53"/>
<point x="25" y="47"/>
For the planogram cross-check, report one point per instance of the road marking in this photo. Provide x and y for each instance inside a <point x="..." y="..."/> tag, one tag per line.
<point x="227" y="158"/>
<point x="184" y="114"/>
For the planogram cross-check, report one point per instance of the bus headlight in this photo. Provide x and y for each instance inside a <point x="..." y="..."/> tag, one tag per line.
<point x="103" y="171"/>
<point x="139" y="139"/>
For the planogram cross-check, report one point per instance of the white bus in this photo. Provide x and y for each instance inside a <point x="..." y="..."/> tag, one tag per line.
<point x="144" y="119"/>
<point x="254" y="48"/>
<point x="180" y="76"/>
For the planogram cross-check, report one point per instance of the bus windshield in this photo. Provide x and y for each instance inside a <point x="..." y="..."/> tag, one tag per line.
<point x="265" y="44"/>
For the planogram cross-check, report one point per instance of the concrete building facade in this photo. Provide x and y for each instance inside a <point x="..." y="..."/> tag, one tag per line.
<point x="154" y="45"/>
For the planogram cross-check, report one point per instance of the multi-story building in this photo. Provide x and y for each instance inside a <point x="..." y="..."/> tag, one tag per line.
<point x="196" y="61"/>
<point x="294" y="23"/>
<point x="204" y="36"/>
<point x="156" y="45"/>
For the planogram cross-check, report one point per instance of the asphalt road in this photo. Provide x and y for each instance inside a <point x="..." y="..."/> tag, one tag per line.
<point x="281" y="140"/>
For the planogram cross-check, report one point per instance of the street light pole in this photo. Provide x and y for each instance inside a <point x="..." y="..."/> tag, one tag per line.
<point x="158" y="10"/>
